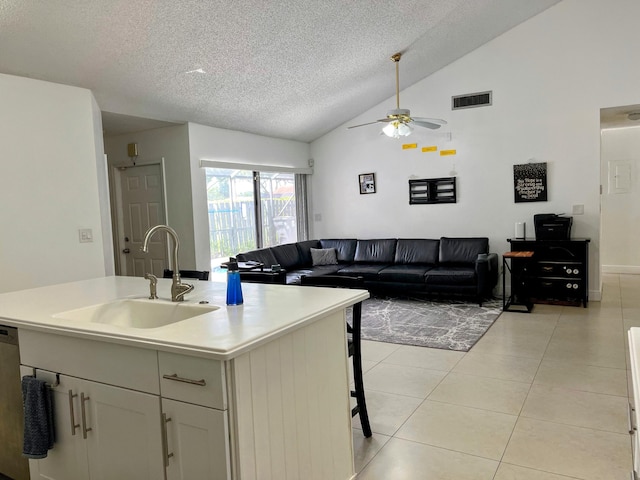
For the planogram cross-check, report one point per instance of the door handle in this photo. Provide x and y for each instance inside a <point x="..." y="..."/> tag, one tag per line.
<point x="126" y="250"/>
<point x="74" y="425"/>
<point x="165" y="440"/>
<point x="83" y="411"/>
<point x="176" y="378"/>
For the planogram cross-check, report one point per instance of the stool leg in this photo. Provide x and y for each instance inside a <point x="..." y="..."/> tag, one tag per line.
<point x="357" y="371"/>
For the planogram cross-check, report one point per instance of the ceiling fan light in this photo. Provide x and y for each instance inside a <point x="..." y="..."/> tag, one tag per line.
<point x="397" y="130"/>
<point x="404" y="130"/>
<point x="390" y="130"/>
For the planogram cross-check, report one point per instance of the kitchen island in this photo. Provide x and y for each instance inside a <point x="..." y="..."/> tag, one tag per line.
<point x="255" y="391"/>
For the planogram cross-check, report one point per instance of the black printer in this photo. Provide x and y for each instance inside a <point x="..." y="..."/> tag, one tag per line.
<point x="550" y="226"/>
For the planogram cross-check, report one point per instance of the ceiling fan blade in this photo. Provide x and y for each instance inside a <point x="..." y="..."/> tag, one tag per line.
<point x="363" y="124"/>
<point x="382" y="120"/>
<point x="437" y="121"/>
<point x="432" y="126"/>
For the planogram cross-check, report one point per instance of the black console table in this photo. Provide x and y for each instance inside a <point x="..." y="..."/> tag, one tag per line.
<point x="560" y="270"/>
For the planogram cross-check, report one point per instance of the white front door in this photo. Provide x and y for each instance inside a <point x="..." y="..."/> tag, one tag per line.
<point x="141" y="206"/>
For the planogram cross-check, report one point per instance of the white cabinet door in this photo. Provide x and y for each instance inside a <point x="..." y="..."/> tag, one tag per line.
<point x="197" y="442"/>
<point x="123" y="433"/>
<point x="114" y="434"/>
<point x="67" y="460"/>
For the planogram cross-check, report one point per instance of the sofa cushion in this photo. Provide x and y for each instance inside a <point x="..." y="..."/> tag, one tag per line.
<point x="417" y="251"/>
<point x="375" y="251"/>
<point x="294" y="277"/>
<point x="323" y="256"/>
<point x="404" y="273"/>
<point x="460" y="251"/>
<point x="287" y="255"/>
<point x="450" y="275"/>
<point x="304" y="248"/>
<point x="345" y="248"/>
<point x="262" y="255"/>
<point x="369" y="271"/>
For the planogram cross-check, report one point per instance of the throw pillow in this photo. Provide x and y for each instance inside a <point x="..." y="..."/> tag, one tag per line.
<point x="323" y="256"/>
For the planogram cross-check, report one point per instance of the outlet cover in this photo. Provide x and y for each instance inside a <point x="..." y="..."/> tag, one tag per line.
<point x="85" y="235"/>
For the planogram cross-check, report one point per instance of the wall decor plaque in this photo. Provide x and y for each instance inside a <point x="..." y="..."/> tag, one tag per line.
<point x="367" y="183"/>
<point x="530" y="182"/>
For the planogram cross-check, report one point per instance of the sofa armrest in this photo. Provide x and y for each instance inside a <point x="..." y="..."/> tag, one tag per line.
<point x="257" y="276"/>
<point x="487" y="272"/>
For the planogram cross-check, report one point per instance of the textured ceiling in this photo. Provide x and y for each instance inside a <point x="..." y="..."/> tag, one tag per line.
<point x="287" y="69"/>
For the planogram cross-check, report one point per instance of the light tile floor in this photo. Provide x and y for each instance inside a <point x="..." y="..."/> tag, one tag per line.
<point x="542" y="396"/>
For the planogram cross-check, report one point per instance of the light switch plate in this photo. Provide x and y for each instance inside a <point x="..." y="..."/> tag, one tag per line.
<point x="578" y="210"/>
<point x="85" y="235"/>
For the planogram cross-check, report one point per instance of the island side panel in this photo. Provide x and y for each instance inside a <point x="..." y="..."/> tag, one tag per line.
<point x="293" y="413"/>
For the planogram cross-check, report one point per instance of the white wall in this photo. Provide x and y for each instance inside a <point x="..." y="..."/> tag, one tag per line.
<point x="172" y="145"/>
<point x="549" y="76"/>
<point x="217" y="144"/>
<point x="620" y="251"/>
<point x="48" y="184"/>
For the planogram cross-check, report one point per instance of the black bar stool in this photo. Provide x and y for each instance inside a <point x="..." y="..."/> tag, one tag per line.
<point x="199" y="274"/>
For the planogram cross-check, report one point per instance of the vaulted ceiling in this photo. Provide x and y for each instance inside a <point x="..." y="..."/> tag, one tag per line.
<point x="289" y="69"/>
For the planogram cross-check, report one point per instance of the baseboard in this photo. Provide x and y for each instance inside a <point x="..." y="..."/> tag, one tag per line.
<point x="625" y="269"/>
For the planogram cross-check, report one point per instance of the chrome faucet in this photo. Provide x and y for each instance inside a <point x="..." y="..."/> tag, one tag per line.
<point x="178" y="289"/>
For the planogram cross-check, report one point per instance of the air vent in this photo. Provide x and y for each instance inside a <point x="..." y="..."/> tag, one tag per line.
<point x="471" y="100"/>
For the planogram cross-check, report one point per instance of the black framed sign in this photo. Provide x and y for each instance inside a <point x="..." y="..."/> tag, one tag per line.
<point x="530" y="182"/>
<point x="367" y="183"/>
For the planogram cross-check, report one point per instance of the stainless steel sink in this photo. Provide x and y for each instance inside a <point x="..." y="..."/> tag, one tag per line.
<point x="137" y="313"/>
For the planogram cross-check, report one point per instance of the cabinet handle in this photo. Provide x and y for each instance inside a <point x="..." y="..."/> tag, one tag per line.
<point x="176" y="378"/>
<point x="632" y="427"/>
<point x="84" y="399"/>
<point x="165" y="440"/>
<point x="74" y="425"/>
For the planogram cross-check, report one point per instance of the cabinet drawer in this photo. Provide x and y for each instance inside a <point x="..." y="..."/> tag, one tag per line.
<point x="192" y="379"/>
<point x="129" y="367"/>
<point x="559" y="288"/>
<point x="561" y="285"/>
<point x="561" y="269"/>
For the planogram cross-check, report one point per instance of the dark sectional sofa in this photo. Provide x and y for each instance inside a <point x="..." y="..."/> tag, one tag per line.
<point x="462" y="266"/>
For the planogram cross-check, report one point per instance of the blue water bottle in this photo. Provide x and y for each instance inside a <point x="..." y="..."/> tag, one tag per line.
<point x="234" y="289"/>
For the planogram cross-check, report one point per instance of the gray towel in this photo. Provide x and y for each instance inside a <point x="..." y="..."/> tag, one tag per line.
<point x="38" y="418"/>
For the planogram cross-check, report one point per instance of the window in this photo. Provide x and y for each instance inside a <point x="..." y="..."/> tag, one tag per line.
<point x="241" y="200"/>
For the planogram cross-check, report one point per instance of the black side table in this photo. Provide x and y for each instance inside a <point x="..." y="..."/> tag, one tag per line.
<point x="520" y="282"/>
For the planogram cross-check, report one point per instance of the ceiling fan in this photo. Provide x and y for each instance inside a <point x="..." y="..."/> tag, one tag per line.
<point x="399" y="122"/>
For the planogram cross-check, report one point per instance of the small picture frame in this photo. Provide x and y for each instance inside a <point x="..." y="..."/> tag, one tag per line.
<point x="367" y="183"/>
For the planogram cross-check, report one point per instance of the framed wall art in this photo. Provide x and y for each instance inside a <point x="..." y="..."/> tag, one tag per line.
<point x="530" y="182"/>
<point x="367" y="183"/>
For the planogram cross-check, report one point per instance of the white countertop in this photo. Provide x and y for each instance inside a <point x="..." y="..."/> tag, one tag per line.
<point x="268" y="312"/>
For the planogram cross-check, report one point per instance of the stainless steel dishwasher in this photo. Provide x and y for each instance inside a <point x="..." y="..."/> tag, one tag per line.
<point x="12" y="463"/>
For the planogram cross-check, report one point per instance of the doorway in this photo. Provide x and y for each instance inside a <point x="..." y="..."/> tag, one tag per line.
<point x="138" y="200"/>
<point x="620" y="198"/>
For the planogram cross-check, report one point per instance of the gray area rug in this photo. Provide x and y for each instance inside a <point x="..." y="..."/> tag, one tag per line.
<point x="450" y="325"/>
